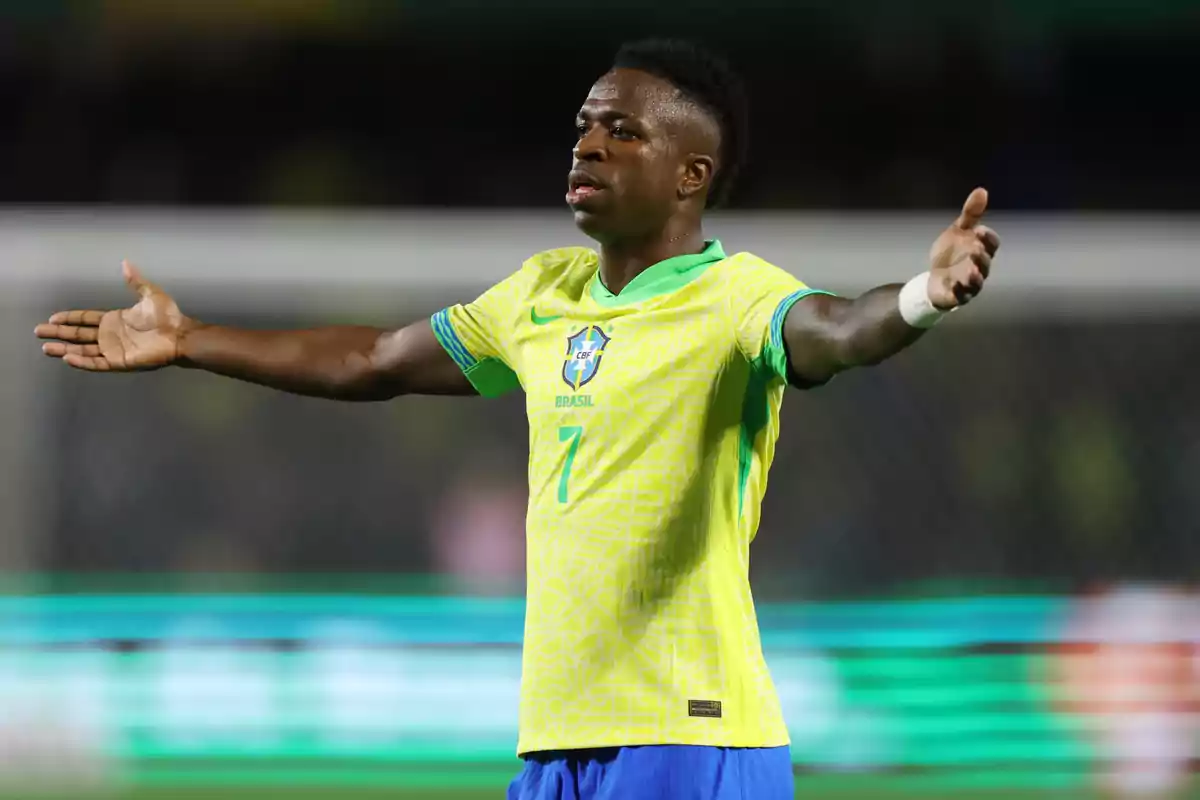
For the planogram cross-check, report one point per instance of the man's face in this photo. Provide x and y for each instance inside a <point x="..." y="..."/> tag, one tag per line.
<point x="632" y="156"/>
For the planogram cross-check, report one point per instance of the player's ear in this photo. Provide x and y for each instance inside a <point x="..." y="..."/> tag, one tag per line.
<point x="697" y="175"/>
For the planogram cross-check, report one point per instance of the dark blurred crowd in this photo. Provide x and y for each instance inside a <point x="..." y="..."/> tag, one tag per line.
<point x="432" y="103"/>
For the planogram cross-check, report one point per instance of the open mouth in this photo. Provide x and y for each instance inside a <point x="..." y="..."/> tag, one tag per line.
<point x="581" y="186"/>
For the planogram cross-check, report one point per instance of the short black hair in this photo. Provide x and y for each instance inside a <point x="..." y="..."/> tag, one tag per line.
<point x="707" y="79"/>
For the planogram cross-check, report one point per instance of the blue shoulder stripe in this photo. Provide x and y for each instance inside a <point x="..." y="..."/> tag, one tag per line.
<point x="443" y="329"/>
<point x="781" y="310"/>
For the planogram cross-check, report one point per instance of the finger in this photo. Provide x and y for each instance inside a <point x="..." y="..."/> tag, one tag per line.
<point x="975" y="282"/>
<point x="77" y="317"/>
<point x="972" y="210"/>
<point x="60" y="349"/>
<point x="962" y="294"/>
<point x="967" y="287"/>
<point x="990" y="239"/>
<point x="135" y="280"/>
<point x="983" y="261"/>
<point x="67" y="333"/>
<point x="89" y="363"/>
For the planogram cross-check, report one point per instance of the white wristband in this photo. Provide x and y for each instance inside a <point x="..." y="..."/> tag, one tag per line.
<point x="916" y="307"/>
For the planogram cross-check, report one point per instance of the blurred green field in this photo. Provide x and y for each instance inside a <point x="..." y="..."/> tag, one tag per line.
<point x="847" y="792"/>
<point x="297" y="793"/>
<point x="833" y="788"/>
<point x="477" y="781"/>
<point x="478" y="794"/>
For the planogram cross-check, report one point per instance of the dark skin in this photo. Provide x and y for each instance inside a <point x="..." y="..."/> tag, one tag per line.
<point x="654" y="153"/>
<point x="651" y="155"/>
<point x="826" y="335"/>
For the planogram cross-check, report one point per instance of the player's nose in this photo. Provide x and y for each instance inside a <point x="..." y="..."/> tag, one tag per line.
<point x="591" y="146"/>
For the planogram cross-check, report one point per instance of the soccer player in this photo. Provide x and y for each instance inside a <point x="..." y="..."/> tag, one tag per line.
<point x="653" y="372"/>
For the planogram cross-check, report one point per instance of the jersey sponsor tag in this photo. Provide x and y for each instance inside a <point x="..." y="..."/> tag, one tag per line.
<point x="704" y="708"/>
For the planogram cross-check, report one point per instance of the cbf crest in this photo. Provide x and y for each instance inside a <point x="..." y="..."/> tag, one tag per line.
<point x="584" y="351"/>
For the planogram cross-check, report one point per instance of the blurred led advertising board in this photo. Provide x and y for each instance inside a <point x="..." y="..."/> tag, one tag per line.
<point x="379" y="688"/>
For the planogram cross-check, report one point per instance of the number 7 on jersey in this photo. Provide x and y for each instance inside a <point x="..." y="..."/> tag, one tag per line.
<point x="572" y="433"/>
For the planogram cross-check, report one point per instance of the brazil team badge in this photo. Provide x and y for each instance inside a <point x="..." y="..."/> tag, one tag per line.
<point x="584" y="351"/>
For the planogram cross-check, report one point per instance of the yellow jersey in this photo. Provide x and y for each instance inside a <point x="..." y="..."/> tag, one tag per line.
<point x="653" y="416"/>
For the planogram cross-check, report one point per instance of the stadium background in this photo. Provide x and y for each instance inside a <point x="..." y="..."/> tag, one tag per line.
<point x="211" y="590"/>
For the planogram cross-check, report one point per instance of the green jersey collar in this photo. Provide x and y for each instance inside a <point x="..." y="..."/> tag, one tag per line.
<point x="661" y="278"/>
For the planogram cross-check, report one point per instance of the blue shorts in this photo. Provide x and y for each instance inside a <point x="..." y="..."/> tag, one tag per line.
<point x="657" y="772"/>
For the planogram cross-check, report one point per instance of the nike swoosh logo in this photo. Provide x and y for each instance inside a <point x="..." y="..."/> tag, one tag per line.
<point x="533" y="315"/>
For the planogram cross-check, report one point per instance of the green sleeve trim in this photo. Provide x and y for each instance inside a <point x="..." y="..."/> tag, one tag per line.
<point x="491" y="377"/>
<point x="774" y="355"/>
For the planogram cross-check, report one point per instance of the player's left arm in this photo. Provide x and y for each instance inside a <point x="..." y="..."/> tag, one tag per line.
<point x="825" y="335"/>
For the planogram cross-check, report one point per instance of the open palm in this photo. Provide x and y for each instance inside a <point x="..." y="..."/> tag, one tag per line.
<point x="142" y="337"/>
<point x="961" y="258"/>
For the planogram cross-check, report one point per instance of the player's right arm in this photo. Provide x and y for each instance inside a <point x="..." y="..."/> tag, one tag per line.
<point x="355" y="363"/>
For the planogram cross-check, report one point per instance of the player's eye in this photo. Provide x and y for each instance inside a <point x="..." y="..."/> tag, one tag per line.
<point x="622" y="133"/>
<point x="581" y="129"/>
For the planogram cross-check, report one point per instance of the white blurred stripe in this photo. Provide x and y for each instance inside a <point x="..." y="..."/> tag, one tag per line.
<point x="1066" y="262"/>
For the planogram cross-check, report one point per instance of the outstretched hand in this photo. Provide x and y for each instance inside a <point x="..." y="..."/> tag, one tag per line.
<point x="142" y="337"/>
<point x="961" y="258"/>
